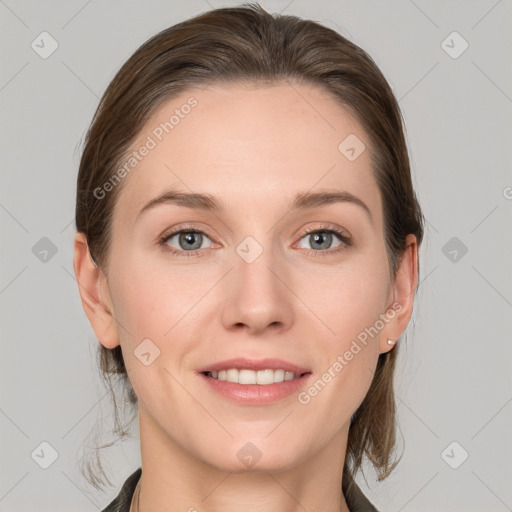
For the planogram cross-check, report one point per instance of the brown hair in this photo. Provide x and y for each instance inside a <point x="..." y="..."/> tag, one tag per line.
<point x="246" y="44"/>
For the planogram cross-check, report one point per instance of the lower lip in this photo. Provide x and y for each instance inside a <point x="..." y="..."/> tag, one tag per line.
<point x="256" y="394"/>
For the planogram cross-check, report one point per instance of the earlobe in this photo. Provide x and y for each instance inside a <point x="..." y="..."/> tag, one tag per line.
<point x="94" y="294"/>
<point x="404" y="289"/>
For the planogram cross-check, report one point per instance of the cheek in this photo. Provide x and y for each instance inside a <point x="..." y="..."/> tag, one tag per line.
<point x="140" y="308"/>
<point x="350" y="299"/>
<point x="149" y="306"/>
<point x="150" y="300"/>
<point x="350" y="303"/>
<point x="159" y="305"/>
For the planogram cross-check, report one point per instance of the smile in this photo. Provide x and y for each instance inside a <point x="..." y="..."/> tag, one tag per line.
<point x="261" y="377"/>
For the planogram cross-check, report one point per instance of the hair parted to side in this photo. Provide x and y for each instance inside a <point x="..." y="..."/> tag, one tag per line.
<point x="246" y="44"/>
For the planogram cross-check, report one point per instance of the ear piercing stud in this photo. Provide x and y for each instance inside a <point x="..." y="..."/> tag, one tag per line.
<point x="391" y="342"/>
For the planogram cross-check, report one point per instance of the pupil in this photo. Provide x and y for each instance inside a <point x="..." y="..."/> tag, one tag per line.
<point x="318" y="237"/>
<point x="189" y="238"/>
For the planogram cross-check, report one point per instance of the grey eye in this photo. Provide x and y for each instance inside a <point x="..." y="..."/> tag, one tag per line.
<point x="187" y="240"/>
<point x="320" y="240"/>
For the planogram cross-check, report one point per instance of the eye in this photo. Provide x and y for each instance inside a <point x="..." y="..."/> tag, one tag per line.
<point x="187" y="241"/>
<point x="323" y="237"/>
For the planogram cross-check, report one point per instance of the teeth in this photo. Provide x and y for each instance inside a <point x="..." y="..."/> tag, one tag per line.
<point x="262" y="377"/>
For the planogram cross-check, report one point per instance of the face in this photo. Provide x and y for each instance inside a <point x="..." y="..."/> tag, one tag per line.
<point x="267" y="274"/>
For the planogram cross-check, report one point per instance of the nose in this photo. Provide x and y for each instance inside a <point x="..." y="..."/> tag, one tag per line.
<point x="258" y="294"/>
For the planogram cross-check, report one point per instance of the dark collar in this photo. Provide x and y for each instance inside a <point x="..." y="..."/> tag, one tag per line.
<point x="124" y="499"/>
<point x="356" y="500"/>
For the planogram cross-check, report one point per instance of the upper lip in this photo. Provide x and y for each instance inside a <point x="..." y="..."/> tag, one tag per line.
<point x="254" y="364"/>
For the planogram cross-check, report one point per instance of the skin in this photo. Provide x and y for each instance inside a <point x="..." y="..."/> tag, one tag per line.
<point x="254" y="148"/>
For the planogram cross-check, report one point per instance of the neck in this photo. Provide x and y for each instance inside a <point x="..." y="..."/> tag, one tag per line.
<point x="173" y="477"/>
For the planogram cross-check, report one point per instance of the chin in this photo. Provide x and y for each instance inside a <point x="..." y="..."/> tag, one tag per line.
<point x="254" y="457"/>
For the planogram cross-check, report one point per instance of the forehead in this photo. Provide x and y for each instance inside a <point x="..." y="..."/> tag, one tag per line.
<point x="251" y="146"/>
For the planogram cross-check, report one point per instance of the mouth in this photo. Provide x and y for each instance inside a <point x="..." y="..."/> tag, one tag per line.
<point x="255" y="382"/>
<point x="255" y="388"/>
<point x="262" y="377"/>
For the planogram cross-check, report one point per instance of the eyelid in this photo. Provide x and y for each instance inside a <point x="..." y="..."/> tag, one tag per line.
<point x="344" y="234"/>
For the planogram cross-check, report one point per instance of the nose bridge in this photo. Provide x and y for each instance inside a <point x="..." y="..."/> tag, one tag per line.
<point x="253" y="263"/>
<point x="257" y="296"/>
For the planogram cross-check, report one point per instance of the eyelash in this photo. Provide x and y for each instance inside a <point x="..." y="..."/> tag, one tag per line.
<point x="345" y="241"/>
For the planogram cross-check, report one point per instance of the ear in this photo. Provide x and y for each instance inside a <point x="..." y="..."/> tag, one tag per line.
<point x="94" y="293"/>
<point x="403" y="292"/>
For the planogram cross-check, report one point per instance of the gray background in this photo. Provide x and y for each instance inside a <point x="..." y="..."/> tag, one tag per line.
<point x="454" y="377"/>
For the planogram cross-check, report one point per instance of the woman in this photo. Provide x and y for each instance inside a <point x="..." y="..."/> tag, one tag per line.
<point x="247" y="254"/>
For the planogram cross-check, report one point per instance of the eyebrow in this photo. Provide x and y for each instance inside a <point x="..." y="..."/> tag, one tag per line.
<point x="207" y="202"/>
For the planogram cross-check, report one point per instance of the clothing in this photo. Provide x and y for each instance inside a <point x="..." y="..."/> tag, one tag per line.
<point x="356" y="500"/>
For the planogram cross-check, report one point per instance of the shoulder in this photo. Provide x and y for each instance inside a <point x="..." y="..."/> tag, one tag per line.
<point x="123" y="500"/>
